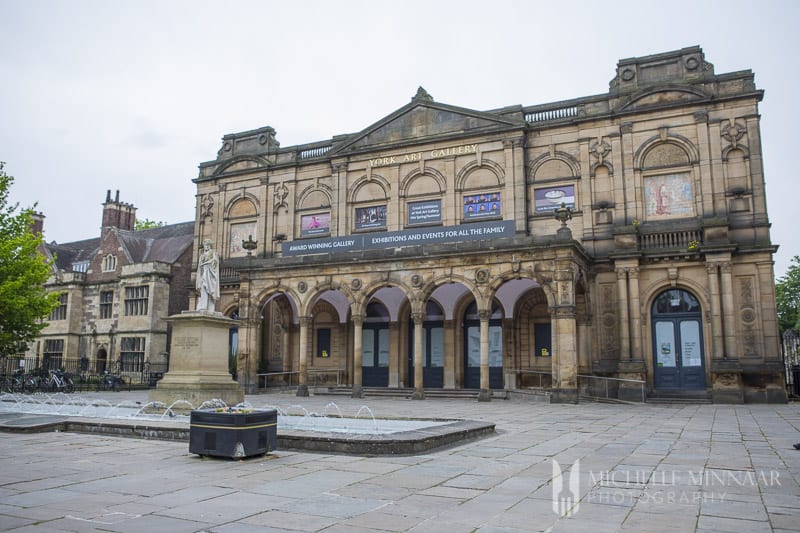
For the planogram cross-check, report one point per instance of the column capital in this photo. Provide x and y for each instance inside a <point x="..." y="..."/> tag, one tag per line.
<point x="306" y="321"/>
<point x="484" y="314"/>
<point x="418" y="318"/>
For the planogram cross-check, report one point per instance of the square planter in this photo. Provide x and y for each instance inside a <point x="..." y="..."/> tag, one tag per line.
<point x="233" y="434"/>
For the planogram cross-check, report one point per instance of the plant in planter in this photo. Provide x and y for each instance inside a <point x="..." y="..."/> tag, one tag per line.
<point x="233" y="432"/>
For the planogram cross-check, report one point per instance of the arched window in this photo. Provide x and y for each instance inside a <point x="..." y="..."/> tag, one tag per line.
<point x="109" y="263"/>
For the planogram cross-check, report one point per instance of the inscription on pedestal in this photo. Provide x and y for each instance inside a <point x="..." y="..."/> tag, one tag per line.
<point x="185" y="342"/>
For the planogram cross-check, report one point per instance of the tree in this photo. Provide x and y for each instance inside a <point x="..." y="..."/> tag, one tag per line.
<point x="24" y="302"/>
<point x="787" y="296"/>
<point x="146" y="223"/>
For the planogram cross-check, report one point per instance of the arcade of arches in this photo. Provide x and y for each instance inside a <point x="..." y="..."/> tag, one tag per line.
<point x="461" y="329"/>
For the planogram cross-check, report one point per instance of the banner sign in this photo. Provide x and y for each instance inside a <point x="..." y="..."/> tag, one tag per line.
<point x="482" y="206"/>
<point x="397" y="239"/>
<point x="426" y="212"/>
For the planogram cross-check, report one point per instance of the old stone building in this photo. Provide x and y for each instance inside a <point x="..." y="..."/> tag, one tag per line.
<point x="623" y="235"/>
<point x="115" y="290"/>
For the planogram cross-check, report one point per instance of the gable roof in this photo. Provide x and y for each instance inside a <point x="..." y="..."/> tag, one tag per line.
<point x="164" y="244"/>
<point x="422" y="120"/>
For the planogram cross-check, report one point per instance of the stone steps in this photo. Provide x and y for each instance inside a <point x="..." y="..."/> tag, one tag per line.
<point x="398" y="392"/>
<point x="679" y="398"/>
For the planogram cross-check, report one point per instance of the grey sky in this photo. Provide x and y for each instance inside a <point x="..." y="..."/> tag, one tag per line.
<point x="133" y="95"/>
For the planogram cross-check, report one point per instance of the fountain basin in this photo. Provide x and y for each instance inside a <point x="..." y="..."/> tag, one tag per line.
<point x="326" y="432"/>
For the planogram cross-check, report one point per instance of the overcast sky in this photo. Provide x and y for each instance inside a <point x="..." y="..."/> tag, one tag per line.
<point x="133" y="95"/>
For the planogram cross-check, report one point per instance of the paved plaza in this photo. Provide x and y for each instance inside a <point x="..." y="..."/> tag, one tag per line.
<point x="618" y="468"/>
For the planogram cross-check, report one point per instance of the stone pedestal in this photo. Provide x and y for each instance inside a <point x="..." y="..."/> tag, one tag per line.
<point x="198" y="365"/>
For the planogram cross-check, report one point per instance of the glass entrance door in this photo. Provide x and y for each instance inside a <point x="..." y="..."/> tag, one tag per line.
<point x="678" y="342"/>
<point x="375" y="356"/>
<point x="375" y="346"/>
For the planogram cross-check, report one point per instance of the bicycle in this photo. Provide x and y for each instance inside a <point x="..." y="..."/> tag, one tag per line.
<point x="59" y="380"/>
<point x="110" y="382"/>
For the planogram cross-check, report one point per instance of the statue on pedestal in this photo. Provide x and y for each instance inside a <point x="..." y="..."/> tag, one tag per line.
<point x="207" y="278"/>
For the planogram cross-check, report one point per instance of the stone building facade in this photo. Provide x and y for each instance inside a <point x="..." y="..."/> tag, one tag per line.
<point x="623" y="235"/>
<point x="115" y="290"/>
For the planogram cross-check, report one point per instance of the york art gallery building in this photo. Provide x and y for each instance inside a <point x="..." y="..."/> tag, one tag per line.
<point x="623" y="235"/>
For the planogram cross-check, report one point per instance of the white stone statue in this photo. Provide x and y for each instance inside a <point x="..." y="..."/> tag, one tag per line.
<point x="207" y="278"/>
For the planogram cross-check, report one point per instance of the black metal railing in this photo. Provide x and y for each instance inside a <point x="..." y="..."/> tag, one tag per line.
<point x="86" y="374"/>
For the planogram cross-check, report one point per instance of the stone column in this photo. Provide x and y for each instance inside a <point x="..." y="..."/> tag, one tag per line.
<point x="624" y="331"/>
<point x="485" y="393"/>
<point x="419" y="391"/>
<point x="248" y="378"/>
<point x="565" y="355"/>
<point x="728" y="312"/>
<point x="717" y="347"/>
<point x="635" y="315"/>
<point x="358" y="322"/>
<point x="302" y="388"/>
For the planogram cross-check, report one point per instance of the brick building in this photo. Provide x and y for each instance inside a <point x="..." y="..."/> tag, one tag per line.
<point x="116" y="290"/>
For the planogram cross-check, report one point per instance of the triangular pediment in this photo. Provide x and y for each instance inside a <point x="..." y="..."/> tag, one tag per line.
<point x="423" y="120"/>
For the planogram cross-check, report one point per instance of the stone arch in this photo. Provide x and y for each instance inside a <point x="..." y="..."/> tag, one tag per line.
<point x="365" y="181"/>
<point x="652" y="290"/>
<point x="546" y="167"/>
<point x="599" y="165"/>
<point x="230" y="310"/>
<point x="669" y="93"/>
<point x="471" y="167"/>
<point x="369" y="290"/>
<point x="314" y="294"/>
<point x="308" y="197"/>
<point x="247" y="162"/>
<point x="730" y="151"/>
<point x="263" y="296"/>
<point x="428" y="288"/>
<point x="242" y="206"/>
<point x="433" y="174"/>
<point x="665" y="151"/>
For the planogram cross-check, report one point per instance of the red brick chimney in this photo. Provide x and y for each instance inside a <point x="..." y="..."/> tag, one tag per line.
<point x="117" y="214"/>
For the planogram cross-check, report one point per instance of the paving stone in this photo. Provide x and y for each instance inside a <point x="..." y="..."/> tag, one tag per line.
<point x="501" y="484"/>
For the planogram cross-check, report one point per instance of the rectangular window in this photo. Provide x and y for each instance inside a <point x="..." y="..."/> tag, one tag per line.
<point x="371" y="217"/>
<point x="482" y="206"/>
<point x="131" y="355"/>
<point x="323" y="342"/>
<point x="106" y="303"/>
<point x="53" y="354"/>
<point x="136" y="300"/>
<point x="60" y="312"/>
